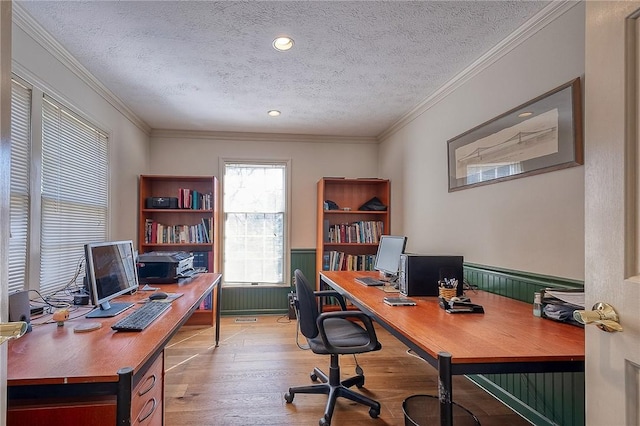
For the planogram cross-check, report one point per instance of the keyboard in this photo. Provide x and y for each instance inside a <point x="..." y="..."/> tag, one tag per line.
<point x="368" y="281"/>
<point x="140" y="319"/>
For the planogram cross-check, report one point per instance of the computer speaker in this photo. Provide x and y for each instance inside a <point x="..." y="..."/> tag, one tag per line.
<point x="20" y="308"/>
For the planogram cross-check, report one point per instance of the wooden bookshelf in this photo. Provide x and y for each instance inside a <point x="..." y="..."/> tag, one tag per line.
<point x="349" y="195"/>
<point x="191" y="221"/>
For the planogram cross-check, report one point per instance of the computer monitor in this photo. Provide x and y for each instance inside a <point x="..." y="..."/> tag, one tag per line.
<point x="390" y="247"/>
<point x="111" y="271"/>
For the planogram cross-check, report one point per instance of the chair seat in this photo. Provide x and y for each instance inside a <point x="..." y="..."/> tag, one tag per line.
<point x="340" y="332"/>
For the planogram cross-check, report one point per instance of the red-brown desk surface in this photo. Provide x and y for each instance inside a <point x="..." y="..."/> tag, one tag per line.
<point x="58" y="355"/>
<point x="507" y="332"/>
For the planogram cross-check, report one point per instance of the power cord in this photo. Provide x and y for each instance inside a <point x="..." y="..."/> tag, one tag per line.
<point x="295" y="308"/>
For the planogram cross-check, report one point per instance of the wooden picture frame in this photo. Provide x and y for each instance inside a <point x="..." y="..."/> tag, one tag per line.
<point x="539" y="136"/>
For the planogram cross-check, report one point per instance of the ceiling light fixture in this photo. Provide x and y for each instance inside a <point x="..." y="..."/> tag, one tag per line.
<point x="525" y="114"/>
<point x="273" y="113"/>
<point x="282" y="44"/>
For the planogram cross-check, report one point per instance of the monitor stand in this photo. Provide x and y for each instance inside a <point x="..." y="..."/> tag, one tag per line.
<point x="106" y="310"/>
<point x="389" y="278"/>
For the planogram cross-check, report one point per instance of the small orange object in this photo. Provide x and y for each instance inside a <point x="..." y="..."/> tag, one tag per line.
<point x="61" y="315"/>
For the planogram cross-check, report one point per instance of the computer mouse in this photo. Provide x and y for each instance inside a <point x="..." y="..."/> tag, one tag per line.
<point x="158" y="295"/>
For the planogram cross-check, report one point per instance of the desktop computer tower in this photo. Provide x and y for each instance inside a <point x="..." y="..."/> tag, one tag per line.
<point x="419" y="274"/>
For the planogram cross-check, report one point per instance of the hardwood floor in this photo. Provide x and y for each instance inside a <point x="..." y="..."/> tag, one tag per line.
<point x="243" y="381"/>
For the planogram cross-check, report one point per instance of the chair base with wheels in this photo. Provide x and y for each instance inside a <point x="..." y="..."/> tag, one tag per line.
<point x="332" y="386"/>
<point x="334" y="333"/>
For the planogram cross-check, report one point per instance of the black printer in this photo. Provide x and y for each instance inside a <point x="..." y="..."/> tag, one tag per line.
<point x="164" y="267"/>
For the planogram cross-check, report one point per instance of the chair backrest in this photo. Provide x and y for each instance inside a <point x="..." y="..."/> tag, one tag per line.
<point x="307" y="306"/>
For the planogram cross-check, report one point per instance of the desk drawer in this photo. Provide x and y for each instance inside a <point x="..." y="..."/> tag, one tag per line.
<point x="146" y="401"/>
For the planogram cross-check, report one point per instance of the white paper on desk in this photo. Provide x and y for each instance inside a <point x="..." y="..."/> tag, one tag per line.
<point x="573" y="297"/>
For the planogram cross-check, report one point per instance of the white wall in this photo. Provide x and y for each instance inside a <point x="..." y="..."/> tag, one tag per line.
<point x="533" y="224"/>
<point x="128" y="144"/>
<point x="310" y="161"/>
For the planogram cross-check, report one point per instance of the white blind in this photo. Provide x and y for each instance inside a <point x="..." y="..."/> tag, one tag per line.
<point x="74" y="192"/>
<point x="20" y="172"/>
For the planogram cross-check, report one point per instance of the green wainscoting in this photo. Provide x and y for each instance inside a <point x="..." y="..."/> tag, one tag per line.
<point x="542" y="398"/>
<point x="264" y="300"/>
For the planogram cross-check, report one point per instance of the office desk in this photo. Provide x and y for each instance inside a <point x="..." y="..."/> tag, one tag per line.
<point x="101" y="377"/>
<point x="507" y="338"/>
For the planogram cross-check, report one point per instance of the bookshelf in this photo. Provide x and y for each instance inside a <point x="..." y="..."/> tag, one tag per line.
<point x="192" y="227"/>
<point x="347" y="238"/>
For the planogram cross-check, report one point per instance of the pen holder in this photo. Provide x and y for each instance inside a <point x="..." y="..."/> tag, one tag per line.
<point x="447" y="293"/>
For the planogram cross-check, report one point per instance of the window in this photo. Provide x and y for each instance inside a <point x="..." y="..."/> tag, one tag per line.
<point x="20" y="181"/>
<point x="72" y="184"/>
<point x="255" y="203"/>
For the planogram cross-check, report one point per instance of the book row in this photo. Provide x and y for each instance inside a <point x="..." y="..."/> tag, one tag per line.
<point x="158" y="233"/>
<point x="192" y="199"/>
<point x="340" y="261"/>
<point x="363" y="231"/>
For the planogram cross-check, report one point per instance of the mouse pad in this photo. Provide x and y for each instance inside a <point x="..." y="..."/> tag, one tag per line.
<point x="170" y="298"/>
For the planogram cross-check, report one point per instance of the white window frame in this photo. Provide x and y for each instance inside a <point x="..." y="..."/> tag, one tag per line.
<point x="286" y="261"/>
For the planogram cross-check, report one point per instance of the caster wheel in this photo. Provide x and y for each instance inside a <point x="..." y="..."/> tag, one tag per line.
<point x="324" y="422"/>
<point x="360" y="383"/>
<point x="313" y="377"/>
<point x="288" y="397"/>
<point x="374" y="412"/>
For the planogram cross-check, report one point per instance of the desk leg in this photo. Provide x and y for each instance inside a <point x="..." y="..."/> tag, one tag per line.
<point x="123" y="399"/>
<point x="218" y="306"/>
<point x="445" y="389"/>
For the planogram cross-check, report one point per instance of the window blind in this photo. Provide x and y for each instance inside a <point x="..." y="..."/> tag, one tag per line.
<point x="74" y="192"/>
<point x="20" y="178"/>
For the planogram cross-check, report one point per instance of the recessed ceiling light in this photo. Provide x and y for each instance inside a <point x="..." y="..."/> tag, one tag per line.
<point x="525" y="114"/>
<point x="283" y="44"/>
<point x="273" y="113"/>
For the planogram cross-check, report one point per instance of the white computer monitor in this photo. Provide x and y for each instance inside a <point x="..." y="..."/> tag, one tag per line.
<point x="390" y="247"/>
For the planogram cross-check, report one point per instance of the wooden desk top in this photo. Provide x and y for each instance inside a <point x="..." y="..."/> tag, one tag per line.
<point x="507" y="332"/>
<point x="58" y="355"/>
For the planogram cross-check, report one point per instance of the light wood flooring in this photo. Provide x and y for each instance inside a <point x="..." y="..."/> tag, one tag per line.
<point x="243" y="381"/>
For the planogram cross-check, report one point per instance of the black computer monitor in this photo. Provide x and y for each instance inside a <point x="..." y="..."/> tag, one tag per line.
<point x="390" y="247"/>
<point x="111" y="272"/>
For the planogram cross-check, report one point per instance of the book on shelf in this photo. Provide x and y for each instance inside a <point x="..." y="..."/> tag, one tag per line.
<point x="159" y="233"/>
<point x="363" y="231"/>
<point x="207" y="302"/>
<point x="340" y="261"/>
<point x="194" y="200"/>
<point x="201" y="259"/>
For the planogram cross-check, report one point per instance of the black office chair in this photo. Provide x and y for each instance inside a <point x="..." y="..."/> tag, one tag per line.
<point x="333" y="333"/>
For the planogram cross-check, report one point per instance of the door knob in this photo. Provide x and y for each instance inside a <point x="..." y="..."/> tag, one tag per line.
<point x="602" y="315"/>
<point x="12" y="330"/>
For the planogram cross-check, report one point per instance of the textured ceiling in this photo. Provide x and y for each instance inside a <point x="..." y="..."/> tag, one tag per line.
<point x="356" y="67"/>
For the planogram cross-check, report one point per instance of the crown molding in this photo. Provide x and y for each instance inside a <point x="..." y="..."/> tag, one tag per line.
<point x="543" y="18"/>
<point x="29" y="25"/>
<point x="258" y="137"/>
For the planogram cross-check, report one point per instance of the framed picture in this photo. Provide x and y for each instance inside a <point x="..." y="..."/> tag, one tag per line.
<point x="539" y="136"/>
